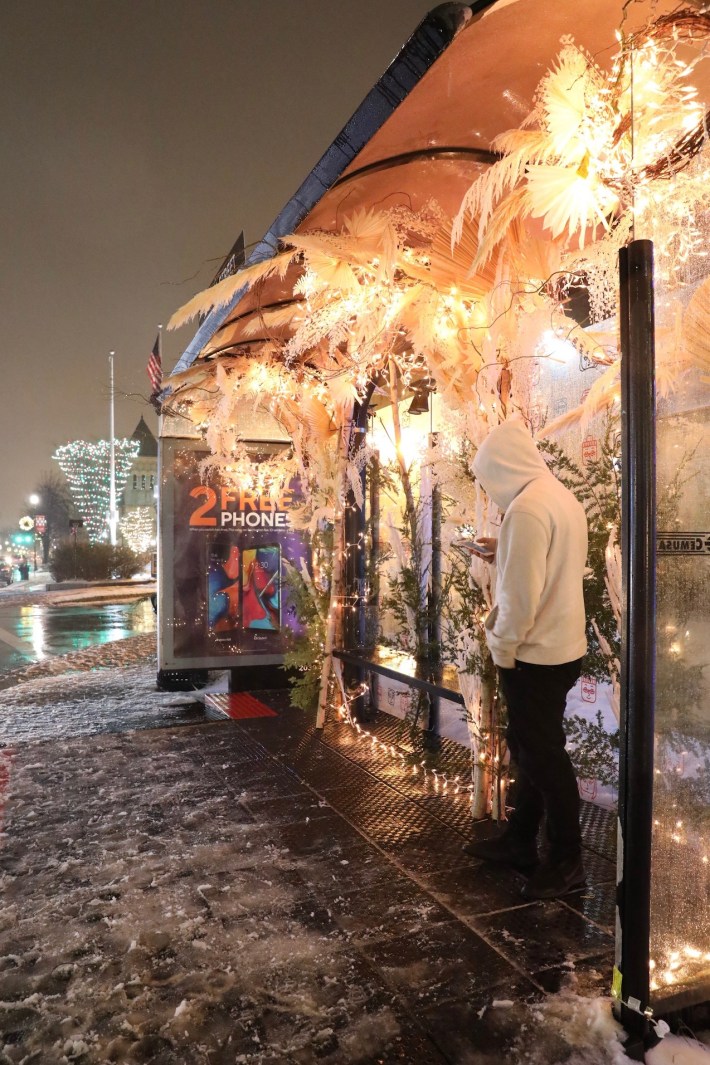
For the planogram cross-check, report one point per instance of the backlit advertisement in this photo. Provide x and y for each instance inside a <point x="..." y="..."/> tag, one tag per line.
<point x="229" y="551"/>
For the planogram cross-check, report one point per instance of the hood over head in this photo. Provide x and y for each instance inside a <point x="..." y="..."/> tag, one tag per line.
<point x="506" y="461"/>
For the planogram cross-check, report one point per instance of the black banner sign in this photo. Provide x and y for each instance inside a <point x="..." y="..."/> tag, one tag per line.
<point x="234" y="261"/>
<point x="683" y="543"/>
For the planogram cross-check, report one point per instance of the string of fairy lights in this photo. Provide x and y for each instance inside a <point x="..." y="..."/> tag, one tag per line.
<point x="137" y="528"/>
<point x="443" y="783"/>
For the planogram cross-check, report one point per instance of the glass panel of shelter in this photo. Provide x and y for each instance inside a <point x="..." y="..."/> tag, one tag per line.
<point x="680" y="862"/>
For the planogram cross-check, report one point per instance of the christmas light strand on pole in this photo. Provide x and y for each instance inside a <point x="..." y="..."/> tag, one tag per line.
<point x="112" y="512"/>
<point x="87" y="468"/>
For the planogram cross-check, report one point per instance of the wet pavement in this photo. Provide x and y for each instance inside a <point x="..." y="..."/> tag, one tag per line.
<point x="119" y="653"/>
<point x="29" y="632"/>
<point x="253" y="891"/>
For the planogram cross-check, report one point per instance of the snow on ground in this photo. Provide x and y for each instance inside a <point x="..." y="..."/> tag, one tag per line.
<point x="36" y="590"/>
<point x="113" y="593"/>
<point x="84" y="704"/>
<point x="141" y="648"/>
<point x="150" y="910"/>
<point x="153" y="918"/>
<point x="586" y="1025"/>
<point x="678" y="1050"/>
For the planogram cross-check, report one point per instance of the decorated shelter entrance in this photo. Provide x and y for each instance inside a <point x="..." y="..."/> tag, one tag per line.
<point x="514" y="224"/>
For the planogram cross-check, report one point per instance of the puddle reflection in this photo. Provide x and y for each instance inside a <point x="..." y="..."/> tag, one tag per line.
<point x="57" y="630"/>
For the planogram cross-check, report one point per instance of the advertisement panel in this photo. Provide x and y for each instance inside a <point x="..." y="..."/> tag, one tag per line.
<point x="225" y="555"/>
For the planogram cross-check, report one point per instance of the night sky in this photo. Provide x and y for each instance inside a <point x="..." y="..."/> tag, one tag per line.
<point x="139" y="137"/>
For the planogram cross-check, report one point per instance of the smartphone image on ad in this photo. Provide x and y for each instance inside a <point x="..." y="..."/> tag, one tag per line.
<point x="261" y="588"/>
<point x="223" y="588"/>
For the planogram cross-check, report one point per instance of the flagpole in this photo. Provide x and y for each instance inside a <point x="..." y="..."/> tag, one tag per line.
<point x="112" y="467"/>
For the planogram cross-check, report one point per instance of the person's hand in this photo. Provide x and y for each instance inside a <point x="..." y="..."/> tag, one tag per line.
<point x="491" y="545"/>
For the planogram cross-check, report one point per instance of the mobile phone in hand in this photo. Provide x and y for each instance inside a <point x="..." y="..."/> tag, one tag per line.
<point x="471" y="546"/>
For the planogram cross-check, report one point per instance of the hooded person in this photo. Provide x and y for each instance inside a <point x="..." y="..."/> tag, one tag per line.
<point x="536" y="636"/>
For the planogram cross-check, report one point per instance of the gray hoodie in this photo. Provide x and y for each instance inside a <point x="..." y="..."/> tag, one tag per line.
<point x="538" y="615"/>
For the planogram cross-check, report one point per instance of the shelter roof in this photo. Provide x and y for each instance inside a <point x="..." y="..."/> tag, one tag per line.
<point x="424" y="132"/>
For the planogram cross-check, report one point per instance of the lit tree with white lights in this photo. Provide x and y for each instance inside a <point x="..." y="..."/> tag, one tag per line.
<point x="86" y="467"/>
<point x="138" y="529"/>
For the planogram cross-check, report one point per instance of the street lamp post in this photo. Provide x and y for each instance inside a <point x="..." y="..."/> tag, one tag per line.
<point x="34" y="503"/>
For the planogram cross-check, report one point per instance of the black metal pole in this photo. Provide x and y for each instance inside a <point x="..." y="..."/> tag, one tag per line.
<point x="638" y="638"/>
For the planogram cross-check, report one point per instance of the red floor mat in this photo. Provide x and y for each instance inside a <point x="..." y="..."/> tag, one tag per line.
<point x="239" y="705"/>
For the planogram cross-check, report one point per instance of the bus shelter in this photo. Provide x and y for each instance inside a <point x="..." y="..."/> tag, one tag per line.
<point x="513" y="224"/>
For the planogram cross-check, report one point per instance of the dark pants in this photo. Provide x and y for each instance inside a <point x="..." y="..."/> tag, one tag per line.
<point x="545" y="783"/>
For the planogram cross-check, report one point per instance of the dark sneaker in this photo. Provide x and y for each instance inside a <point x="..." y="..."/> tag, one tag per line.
<point x="553" y="879"/>
<point x="504" y="850"/>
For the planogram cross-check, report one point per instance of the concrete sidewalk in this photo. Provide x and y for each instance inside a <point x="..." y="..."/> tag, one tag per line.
<point x="253" y="891"/>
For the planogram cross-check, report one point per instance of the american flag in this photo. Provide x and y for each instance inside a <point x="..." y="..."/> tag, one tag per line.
<point x="155" y="368"/>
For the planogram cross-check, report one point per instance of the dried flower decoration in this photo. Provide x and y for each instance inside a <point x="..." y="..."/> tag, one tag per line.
<point x="595" y="138"/>
<point x="383" y="290"/>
